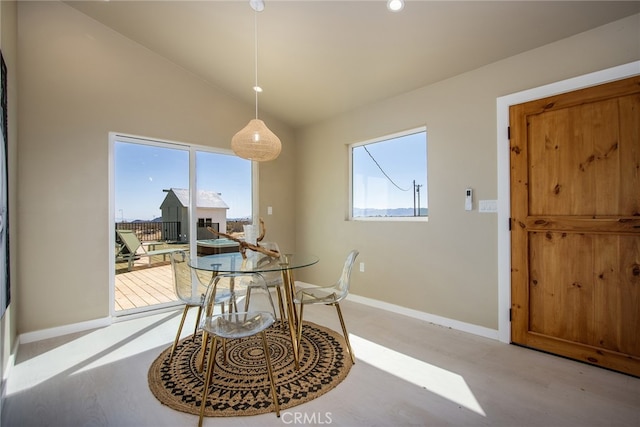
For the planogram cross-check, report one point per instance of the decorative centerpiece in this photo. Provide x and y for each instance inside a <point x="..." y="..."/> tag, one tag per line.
<point x="244" y="245"/>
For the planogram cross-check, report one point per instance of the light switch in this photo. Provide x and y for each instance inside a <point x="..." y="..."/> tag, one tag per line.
<point x="269" y="210"/>
<point x="488" y="206"/>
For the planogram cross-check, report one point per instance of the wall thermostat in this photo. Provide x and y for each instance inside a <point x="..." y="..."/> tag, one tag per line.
<point x="468" y="199"/>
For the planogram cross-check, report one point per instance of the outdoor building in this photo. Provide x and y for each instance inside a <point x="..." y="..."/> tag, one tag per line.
<point x="211" y="211"/>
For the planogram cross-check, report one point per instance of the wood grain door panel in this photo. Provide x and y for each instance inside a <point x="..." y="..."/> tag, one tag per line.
<point x="598" y="296"/>
<point x="575" y="207"/>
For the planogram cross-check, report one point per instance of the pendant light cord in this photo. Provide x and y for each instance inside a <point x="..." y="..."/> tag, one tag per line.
<point x="255" y="33"/>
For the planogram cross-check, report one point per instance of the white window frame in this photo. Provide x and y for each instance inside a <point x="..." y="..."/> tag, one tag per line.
<point x="350" y="148"/>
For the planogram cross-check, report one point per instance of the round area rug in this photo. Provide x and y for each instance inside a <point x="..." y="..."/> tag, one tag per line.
<point x="240" y="386"/>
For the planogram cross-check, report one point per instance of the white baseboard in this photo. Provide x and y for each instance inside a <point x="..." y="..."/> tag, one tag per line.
<point x="427" y="317"/>
<point x="7" y="371"/>
<point x="64" y="330"/>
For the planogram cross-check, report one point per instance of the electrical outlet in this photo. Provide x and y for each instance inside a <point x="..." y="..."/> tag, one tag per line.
<point x="362" y="267"/>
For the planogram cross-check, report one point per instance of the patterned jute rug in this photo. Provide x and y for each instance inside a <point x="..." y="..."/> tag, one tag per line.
<point x="241" y="385"/>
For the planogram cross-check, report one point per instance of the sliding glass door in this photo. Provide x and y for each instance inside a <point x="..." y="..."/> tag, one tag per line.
<point x="168" y="196"/>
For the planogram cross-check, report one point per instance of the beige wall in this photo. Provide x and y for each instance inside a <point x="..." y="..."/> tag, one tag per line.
<point x="79" y="81"/>
<point x="8" y="44"/>
<point x="447" y="267"/>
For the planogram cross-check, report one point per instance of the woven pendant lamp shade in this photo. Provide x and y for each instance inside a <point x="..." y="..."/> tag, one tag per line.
<point x="256" y="142"/>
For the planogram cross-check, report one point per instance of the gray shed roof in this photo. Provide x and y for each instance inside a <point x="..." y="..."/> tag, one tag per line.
<point x="206" y="199"/>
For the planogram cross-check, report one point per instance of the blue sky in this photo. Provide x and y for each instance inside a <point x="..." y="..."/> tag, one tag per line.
<point x="143" y="171"/>
<point x="384" y="179"/>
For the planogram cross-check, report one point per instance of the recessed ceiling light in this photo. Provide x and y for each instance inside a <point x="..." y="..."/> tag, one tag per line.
<point x="257" y="5"/>
<point x="395" y="5"/>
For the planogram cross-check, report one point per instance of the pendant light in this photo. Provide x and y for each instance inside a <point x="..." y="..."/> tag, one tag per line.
<point x="255" y="141"/>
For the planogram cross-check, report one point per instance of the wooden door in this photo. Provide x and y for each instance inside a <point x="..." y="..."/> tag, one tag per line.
<point x="575" y="225"/>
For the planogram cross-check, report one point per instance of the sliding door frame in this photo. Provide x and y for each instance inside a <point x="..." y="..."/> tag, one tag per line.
<point x="192" y="149"/>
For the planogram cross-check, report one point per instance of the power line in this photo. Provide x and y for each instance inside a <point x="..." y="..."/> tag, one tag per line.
<point x="382" y="170"/>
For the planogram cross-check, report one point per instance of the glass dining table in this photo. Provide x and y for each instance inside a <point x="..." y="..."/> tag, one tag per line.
<point x="230" y="263"/>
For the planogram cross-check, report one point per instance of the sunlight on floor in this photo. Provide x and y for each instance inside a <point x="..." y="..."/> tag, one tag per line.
<point x="94" y="349"/>
<point x="444" y="383"/>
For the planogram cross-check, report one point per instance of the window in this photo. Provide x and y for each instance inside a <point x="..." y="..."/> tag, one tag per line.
<point x="389" y="177"/>
<point x="204" y="222"/>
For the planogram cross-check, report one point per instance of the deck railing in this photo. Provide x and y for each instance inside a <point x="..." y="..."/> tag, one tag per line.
<point x="170" y="231"/>
<point x="153" y="230"/>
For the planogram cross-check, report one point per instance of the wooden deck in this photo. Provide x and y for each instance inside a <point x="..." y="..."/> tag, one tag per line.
<point x="144" y="286"/>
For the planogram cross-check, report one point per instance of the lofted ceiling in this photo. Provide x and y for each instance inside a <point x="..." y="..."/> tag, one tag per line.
<point x="318" y="59"/>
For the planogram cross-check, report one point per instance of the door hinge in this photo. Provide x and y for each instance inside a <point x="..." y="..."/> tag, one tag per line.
<point x="509" y="224"/>
<point x="509" y="133"/>
<point x="510" y="314"/>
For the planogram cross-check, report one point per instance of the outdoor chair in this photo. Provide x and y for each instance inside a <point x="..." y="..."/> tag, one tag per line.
<point x="131" y="248"/>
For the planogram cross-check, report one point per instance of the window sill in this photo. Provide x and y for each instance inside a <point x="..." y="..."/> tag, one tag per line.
<point x="390" y="218"/>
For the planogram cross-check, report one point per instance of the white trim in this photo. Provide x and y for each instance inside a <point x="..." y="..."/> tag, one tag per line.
<point x="193" y="203"/>
<point x="64" y="330"/>
<point x="416" y="314"/>
<point x="111" y="224"/>
<point x="59" y="331"/>
<point x="394" y="135"/>
<point x="504" y="238"/>
<point x="11" y="362"/>
<point x="427" y="317"/>
<point x="30" y="337"/>
<point x="146" y="310"/>
<point x="390" y="218"/>
<point x="157" y="309"/>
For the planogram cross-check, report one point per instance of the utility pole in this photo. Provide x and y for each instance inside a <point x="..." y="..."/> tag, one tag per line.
<point x="416" y="195"/>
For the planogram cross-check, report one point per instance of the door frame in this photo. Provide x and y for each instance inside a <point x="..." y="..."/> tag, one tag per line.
<point x="504" y="187"/>
<point x="191" y="149"/>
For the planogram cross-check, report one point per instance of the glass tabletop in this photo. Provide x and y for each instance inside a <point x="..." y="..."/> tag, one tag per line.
<point x="258" y="263"/>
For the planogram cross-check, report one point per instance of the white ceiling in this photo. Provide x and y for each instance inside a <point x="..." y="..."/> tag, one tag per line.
<point x="320" y="58"/>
